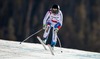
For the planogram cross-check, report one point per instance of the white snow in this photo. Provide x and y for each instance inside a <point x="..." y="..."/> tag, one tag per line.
<point x="14" y="50"/>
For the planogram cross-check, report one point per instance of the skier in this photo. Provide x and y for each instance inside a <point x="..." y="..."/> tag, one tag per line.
<point x="53" y="19"/>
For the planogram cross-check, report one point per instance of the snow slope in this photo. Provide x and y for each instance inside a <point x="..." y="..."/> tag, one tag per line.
<point x="14" y="50"/>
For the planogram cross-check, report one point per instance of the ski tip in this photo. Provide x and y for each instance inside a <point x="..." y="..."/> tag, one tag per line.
<point x="37" y="36"/>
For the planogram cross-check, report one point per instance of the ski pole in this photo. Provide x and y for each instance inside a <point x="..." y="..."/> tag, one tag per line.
<point x="31" y="35"/>
<point x="59" y="43"/>
<point x="58" y="39"/>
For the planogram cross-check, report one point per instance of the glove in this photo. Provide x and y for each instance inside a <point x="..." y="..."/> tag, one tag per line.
<point x="44" y="26"/>
<point x="56" y="30"/>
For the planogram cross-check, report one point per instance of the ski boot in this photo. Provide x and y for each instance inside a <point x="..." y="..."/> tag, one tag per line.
<point x="53" y="45"/>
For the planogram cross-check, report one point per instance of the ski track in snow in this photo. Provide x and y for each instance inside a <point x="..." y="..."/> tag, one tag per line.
<point x="14" y="50"/>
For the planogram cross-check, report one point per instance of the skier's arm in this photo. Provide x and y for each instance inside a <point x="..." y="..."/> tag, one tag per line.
<point x="61" y="19"/>
<point x="46" y="18"/>
<point x="60" y="22"/>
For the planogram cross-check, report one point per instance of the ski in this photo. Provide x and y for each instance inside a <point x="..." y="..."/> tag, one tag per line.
<point x="51" y="50"/>
<point x="41" y="42"/>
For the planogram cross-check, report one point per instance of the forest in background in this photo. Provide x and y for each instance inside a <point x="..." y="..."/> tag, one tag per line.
<point x="81" y="23"/>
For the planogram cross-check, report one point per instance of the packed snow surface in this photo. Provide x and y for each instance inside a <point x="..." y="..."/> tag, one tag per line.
<point x="15" y="50"/>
